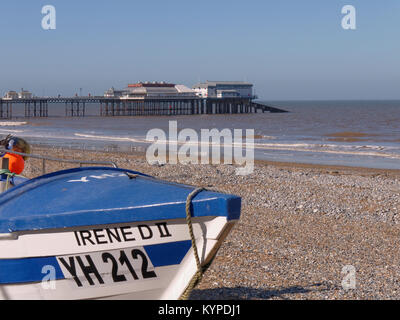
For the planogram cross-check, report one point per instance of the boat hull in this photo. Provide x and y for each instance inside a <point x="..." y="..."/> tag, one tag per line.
<point x="147" y="260"/>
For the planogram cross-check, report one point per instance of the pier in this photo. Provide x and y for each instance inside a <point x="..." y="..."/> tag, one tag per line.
<point x="146" y="99"/>
<point x="113" y="107"/>
<point x="265" y="108"/>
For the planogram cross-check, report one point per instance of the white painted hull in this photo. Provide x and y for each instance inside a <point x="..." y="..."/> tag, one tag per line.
<point x="121" y="261"/>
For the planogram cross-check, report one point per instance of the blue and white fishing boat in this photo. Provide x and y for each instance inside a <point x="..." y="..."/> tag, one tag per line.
<point x="104" y="232"/>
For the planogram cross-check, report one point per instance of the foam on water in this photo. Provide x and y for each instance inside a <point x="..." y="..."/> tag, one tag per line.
<point x="12" y="123"/>
<point x="8" y="131"/>
<point x="108" y="138"/>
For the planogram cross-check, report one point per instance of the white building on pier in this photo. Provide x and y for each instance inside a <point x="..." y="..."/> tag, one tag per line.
<point x="25" y="94"/>
<point x="224" y="89"/>
<point x="148" y="90"/>
<point x="13" y="95"/>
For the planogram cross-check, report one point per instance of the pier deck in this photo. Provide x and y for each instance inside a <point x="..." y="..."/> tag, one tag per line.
<point x="110" y="107"/>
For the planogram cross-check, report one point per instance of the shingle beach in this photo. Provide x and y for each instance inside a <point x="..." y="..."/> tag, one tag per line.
<point x="301" y="225"/>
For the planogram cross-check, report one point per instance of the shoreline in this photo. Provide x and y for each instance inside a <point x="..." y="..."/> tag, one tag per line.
<point x="332" y="168"/>
<point x="281" y="164"/>
<point x="300" y="225"/>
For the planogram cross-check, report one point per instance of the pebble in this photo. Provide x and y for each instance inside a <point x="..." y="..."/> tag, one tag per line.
<point x="299" y="227"/>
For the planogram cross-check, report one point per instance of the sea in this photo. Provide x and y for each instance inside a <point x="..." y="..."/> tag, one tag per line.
<point x="349" y="133"/>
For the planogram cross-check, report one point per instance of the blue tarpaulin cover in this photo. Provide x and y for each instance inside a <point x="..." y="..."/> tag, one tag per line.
<point x="98" y="196"/>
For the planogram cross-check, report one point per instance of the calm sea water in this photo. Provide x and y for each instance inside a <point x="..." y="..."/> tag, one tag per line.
<point x="355" y="133"/>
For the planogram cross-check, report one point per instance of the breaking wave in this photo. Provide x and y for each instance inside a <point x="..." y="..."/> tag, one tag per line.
<point x="12" y="123"/>
<point x="356" y="150"/>
<point x="109" y="138"/>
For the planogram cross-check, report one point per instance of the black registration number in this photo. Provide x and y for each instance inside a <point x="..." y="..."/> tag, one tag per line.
<point x="109" y="267"/>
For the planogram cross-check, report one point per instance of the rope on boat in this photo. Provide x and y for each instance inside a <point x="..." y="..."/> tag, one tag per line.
<point x="199" y="274"/>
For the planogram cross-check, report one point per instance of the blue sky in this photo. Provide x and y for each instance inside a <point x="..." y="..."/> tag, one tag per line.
<point x="289" y="49"/>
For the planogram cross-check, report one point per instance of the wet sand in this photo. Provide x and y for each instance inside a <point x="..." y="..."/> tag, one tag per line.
<point x="301" y="224"/>
<point x="349" y="136"/>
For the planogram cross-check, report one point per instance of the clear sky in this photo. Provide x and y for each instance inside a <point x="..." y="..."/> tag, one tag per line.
<point x="289" y="49"/>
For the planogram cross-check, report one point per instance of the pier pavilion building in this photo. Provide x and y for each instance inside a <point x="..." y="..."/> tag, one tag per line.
<point x="223" y="89"/>
<point x="149" y="90"/>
